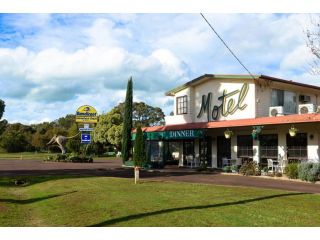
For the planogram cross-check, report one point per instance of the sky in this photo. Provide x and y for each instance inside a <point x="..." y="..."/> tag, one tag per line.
<point x="50" y="64"/>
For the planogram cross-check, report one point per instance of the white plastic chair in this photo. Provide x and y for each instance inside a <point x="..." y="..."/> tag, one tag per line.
<point x="270" y="164"/>
<point x="190" y="160"/>
<point x="282" y="163"/>
<point x="225" y="161"/>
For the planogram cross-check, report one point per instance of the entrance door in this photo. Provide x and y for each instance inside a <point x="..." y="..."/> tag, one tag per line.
<point x="188" y="149"/>
<point x="223" y="149"/>
<point x="205" y="151"/>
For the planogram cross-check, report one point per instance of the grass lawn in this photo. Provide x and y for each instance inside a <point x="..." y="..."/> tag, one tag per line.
<point x="105" y="201"/>
<point x="34" y="156"/>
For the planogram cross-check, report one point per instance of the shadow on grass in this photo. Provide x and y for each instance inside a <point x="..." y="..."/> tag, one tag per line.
<point x="37" y="176"/>
<point x="31" y="180"/>
<point x="147" y="214"/>
<point x="33" y="200"/>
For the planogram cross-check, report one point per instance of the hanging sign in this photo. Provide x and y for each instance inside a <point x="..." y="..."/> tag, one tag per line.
<point x="86" y="114"/>
<point x="228" y="104"/>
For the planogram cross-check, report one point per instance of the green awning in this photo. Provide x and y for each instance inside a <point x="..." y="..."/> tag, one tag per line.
<point x="171" y="135"/>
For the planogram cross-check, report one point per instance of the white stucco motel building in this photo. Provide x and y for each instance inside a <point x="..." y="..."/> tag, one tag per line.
<point x="217" y="118"/>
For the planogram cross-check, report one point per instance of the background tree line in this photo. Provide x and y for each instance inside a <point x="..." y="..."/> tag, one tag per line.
<point x="107" y="134"/>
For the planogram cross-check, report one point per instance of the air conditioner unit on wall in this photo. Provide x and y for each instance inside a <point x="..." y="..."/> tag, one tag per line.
<point x="306" y="108"/>
<point x="275" y="111"/>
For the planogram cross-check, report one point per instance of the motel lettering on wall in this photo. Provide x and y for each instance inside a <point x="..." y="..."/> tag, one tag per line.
<point x="228" y="104"/>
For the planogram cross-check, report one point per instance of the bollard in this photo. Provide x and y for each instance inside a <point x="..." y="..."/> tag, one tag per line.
<point x="136" y="175"/>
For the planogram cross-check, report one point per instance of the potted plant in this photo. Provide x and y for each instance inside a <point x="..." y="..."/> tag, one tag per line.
<point x="293" y="131"/>
<point x="228" y="133"/>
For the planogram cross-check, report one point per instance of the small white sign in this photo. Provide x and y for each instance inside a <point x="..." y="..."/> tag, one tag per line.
<point x="85" y="126"/>
<point x="85" y="129"/>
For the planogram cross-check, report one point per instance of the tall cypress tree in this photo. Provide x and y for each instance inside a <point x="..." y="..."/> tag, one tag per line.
<point x="127" y="124"/>
<point x="139" y="154"/>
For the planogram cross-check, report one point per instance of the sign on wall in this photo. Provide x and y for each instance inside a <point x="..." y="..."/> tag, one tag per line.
<point x="228" y="104"/>
<point x="86" y="114"/>
<point x="171" y="135"/>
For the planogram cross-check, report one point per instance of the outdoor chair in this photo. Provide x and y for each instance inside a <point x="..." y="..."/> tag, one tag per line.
<point x="282" y="163"/>
<point x="190" y="160"/>
<point x="225" y="162"/>
<point x="270" y="165"/>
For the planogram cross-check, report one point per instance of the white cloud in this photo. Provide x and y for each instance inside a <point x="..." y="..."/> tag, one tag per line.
<point x="54" y="63"/>
<point x="299" y="58"/>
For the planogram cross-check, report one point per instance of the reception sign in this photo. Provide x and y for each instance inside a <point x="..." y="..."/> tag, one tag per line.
<point x="86" y="114"/>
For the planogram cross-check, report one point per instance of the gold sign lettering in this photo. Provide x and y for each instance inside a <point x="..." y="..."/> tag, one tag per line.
<point x="228" y="104"/>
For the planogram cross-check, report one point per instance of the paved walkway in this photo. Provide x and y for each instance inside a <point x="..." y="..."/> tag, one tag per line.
<point x="113" y="168"/>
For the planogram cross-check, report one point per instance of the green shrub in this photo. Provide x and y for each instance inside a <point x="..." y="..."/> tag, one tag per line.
<point x="309" y="171"/>
<point x="60" y="157"/>
<point x="234" y="168"/>
<point x="250" y="169"/>
<point x="292" y="170"/>
<point x="73" y="157"/>
<point x="139" y="155"/>
<point x="303" y="170"/>
<point x="226" y="169"/>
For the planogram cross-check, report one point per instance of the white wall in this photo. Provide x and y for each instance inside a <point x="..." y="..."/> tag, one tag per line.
<point x="216" y="87"/>
<point x="258" y="99"/>
<point x="263" y="95"/>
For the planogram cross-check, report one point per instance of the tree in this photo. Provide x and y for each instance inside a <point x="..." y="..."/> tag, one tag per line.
<point x="127" y="124"/>
<point x="66" y="122"/>
<point x="109" y="129"/>
<point x="3" y="123"/>
<point x="110" y="126"/>
<point x="2" y="107"/>
<point x="73" y="144"/>
<point x="13" y="141"/>
<point x="145" y="115"/>
<point x="139" y="155"/>
<point x="313" y="43"/>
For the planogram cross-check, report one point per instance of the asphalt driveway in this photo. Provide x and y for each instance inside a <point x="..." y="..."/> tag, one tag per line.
<point x="113" y="168"/>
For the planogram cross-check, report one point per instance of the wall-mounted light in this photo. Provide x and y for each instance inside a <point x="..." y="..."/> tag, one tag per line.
<point x="293" y="131"/>
<point x="228" y="133"/>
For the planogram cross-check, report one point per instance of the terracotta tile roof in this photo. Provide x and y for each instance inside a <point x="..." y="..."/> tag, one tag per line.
<point x="288" y="119"/>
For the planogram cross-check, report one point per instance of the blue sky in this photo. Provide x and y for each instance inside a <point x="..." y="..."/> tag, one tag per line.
<point x="50" y="64"/>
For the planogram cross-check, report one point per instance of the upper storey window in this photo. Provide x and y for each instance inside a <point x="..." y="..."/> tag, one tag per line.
<point x="182" y="105"/>
<point x="285" y="99"/>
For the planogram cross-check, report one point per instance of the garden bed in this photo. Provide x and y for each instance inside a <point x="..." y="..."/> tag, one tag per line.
<point x="69" y="158"/>
<point x="283" y="178"/>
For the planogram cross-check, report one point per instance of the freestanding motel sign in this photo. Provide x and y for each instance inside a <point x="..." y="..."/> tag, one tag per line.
<point x="87" y="115"/>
